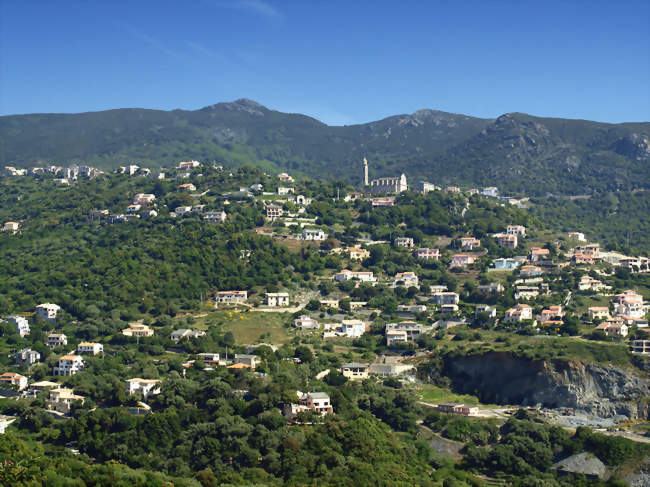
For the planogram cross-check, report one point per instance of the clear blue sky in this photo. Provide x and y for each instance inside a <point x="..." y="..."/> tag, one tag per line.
<point x="342" y="62"/>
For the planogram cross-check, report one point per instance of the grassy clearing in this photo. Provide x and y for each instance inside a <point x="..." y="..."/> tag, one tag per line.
<point x="248" y="327"/>
<point x="579" y="304"/>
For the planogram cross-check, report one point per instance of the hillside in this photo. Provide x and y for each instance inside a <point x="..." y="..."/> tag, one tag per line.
<point x="516" y="152"/>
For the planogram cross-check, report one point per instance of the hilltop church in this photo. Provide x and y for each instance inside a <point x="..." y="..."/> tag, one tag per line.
<point x="384" y="185"/>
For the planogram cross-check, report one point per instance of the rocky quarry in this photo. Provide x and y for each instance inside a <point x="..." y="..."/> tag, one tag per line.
<point x="503" y="378"/>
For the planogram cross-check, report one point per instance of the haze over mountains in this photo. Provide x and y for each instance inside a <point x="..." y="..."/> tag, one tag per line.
<point x="516" y="152"/>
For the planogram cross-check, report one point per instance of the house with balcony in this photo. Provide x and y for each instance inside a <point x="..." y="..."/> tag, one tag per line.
<point x="305" y="322"/>
<point x="11" y="227"/>
<point x="598" y="312"/>
<point x="137" y="330"/>
<point x="48" y="312"/>
<point x="185" y="334"/>
<point x="406" y="279"/>
<point x="507" y="240"/>
<point x="641" y="347"/>
<point x="406" y="242"/>
<point x="462" y="260"/>
<point x="231" y="297"/>
<point x="354" y="371"/>
<point x="346" y="275"/>
<point x="405" y="331"/>
<point x="358" y="253"/>
<point x="273" y="212"/>
<point x="313" y="234"/>
<point x="248" y="360"/>
<point x="215" y="217"/>
<point x="613" y="329"/>
<point x="426" y="253"/>
<point x="551" y="313"/>
<point x="518" y="313"/>
<point x="588" y="283"/>
<point x="445" y="297"/>
<point x="490" y="311"/>
<point x="26" y="357"/>
<point x="68" y="365"/>
<point x="352" y="328"/>
<point x="530" y="271"/>
<point x="12" y="379"/>
<point x="518" y="230"/>
<point x="538" y="254"/>
<point x="469" y="243"/>
<point x="91" y="348"/>
<point x="277" y="300"/>
<point x="56" y="340"/>
<point x="61" y="400"/>
<point x="506" y="264"/>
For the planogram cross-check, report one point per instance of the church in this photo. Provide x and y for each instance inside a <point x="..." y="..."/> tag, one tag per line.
<point x="384" y="185"/>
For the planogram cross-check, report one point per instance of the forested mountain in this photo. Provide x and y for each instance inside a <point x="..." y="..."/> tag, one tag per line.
<point x="516" y="152"/>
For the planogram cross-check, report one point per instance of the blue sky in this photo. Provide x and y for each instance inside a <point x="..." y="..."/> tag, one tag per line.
<point x="342" y="62"/>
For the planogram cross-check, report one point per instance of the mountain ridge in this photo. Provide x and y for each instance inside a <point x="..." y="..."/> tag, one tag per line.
<point x="515" y="151"/>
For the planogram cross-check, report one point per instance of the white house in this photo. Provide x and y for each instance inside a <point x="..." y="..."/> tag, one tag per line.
<point x="61" y="400"/>
<point x="404" y="242"/>
<point x="56" y="340"/>
<point x="305" y="322"/>
<point x="487" y="309"/>
<point x="277" y="299"/>
<point x="21" y="324"/>
<point x="68" y="365"/>
<point x="405" y="331"/>
<point x="462" y="260"/>
<point x="146" y="387"/>
<point x="178" y="335"/>
<point x="27" y="357"/>
<point x="427" y="253"/>
<point x="137" y="330"/>
<point x="507" y="240"/>
<point x="143" y="198"/>
<point x="47" y="311"/>
<point x="518" y="230"/>
<point x="445" y="297"/>
<point x="312" y="401"/>
<point x="11" y="227"/>
<point x="215" y="216"/>
<point x="354" y="371"/>
<point x="90" y="348"/>
<point x="283" y="191"/>
<point x="231" y="297"/>
<point x="182" y="210"/>
<point x="519" y="313"/>
<point x="249" y="360"/>
<point x="13" y="379"/>
<point x="313" y="234"/>
<point x="353" y="328"/>
<point x="346" y="275"/>
<point x="406" y="279"/>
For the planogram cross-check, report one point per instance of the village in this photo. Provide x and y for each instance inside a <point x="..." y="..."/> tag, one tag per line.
<point x="517" y="289"/>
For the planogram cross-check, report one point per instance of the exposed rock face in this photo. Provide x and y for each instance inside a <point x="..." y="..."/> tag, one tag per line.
<point x="505" y="379"/>
<point x="636" y="146"/>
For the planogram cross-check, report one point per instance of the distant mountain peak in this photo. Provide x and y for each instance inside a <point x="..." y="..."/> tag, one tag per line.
<point x="242" y="105"/>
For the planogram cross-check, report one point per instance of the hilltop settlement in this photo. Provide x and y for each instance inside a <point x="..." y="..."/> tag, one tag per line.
<point x="208" y="325"/>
